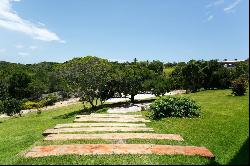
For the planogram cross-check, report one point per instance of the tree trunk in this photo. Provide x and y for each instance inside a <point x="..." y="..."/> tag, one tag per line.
<point x="132" y="98"/>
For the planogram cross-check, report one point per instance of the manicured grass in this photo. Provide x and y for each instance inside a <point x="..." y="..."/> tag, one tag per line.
<point x="223" y="128"/>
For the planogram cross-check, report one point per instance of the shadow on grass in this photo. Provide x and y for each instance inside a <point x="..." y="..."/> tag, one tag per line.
<point x="68" y="115"/>
<point x="101" y="108"/>
<point x="242" y="156"/>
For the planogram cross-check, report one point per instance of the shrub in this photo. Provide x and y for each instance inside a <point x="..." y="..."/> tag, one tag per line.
<point x="169" y="106"/>
<point x="11" y="106"/>
<point x="31" y="105"/>
<point x="239" y="86"/>
<point x="49" y="99"/>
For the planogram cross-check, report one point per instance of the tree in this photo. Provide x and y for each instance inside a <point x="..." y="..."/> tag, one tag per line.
<point x="192" y="75"/>
<point x="242" y="69"/>
<point x="156" y="66"/>
<point x="11" y="106"/>
<point x="3" y="88"/>
<point x="89" y="77"/>
<point x="133" y="75"/>
<point x="158" y="85"/>
<point x="239" y="86"/>
<point x="18" y="83"/>
<point x="36" y="89"/>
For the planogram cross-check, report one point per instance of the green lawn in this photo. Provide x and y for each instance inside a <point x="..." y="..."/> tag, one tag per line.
<point x="223" y="128"/>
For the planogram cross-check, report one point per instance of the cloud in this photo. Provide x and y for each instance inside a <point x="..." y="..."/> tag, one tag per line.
<point x="2" y="50"/>
<point x="215" y="3"/>
<point x="231" y="6"/>
<point x="210" y="18"/>
<point x="19" y="46"/>
<point x="10" y="20"/>
<point x="23" y="54"/>
<point x="33" y="47"/>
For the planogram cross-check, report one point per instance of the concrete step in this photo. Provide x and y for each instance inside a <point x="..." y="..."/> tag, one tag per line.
<point x="93" y="129"/>
<point x="96" y="119"/>
<point x="112" y="136"/>
<point x="101" y="149"/>
<point x="98" y="125"/>
<point x="109" y="116"/>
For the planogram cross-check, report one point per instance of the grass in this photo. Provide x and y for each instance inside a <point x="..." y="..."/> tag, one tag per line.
<point x="223" y="128"/>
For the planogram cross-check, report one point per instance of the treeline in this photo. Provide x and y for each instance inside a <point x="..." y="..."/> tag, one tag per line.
<point x="94" y="79"/>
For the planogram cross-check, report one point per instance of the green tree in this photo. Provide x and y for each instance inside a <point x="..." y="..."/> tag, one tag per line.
<point x="133" y="75"/>
<point x="192" y="75"/>
<point x="158" y="85"/>
<point x="88" y="77"/>
<point x="18" y="83"/>
<point x="156" y="66"/>
<point x="11" y="106"/>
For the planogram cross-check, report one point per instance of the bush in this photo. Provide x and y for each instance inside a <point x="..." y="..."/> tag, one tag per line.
<point x="169" y="106"/>
<point x="33" y="104"/>
<point x="11" y="106"/>
<point x="239" y="86"/>
<point x="49" y="99"/>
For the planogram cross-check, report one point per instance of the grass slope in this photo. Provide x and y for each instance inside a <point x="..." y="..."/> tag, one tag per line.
<point x="223" y="129"/>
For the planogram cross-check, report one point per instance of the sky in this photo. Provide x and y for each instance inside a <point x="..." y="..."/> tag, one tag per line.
<point x="33" y="31"/>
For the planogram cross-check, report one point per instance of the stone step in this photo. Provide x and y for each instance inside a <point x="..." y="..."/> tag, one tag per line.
<point x="101" y="149"/>
<point x="109" y="116"/>
<point x="91" y="129"/>
<point x="96" y="119"/>
<point x="112" y="136"/>
<point x="98" y="125"/>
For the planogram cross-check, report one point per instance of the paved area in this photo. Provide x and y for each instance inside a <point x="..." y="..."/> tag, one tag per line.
<point x="93" y="149"/>
<point x="67" y="125"/>
<point x="92" y="129"/>
<point x="108" y="136"/>
<point x="127" y="109"/>
<point x="109" y="116"/>
<point x="96" y="119"/>
<point x="142" y="96"/>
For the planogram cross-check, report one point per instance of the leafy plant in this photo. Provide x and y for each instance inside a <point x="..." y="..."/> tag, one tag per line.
<point x="11" y="106"/>
<point x="169" y="106"/>
<point x="49" y="99"/>
<point x="239" y="86"/>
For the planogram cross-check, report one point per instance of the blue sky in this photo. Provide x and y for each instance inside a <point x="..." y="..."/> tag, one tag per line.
<point x="33" y="31"/>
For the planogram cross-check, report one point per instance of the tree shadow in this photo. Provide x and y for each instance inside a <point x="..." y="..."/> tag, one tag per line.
<point x="68" y="115"/>
<point x="242" y="156"/>
<point x="213" y="162"/>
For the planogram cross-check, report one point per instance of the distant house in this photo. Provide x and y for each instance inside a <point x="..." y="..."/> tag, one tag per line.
<point x="230" y="63"/>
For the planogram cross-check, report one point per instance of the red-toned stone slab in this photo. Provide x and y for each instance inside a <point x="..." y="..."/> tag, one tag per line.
<point x="97" y="119"/>
<point x="99" y="125"/>
<point x="107" y="136"/>
<point x="100" y="149"/>
<point x="90" y="129"/>
<point x="109" y="116"/>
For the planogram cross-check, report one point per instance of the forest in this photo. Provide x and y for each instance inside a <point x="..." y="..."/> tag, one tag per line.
<point x="26" y="86"/>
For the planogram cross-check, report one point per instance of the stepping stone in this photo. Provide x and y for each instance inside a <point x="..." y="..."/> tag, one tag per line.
<point x="96" y="119"/>
<point x="112" y="136"/>
<point x="101" y="149"/>
<point x="98" y="125"/>
<point x="88" y="129"/>
<point x="109" y="116"/>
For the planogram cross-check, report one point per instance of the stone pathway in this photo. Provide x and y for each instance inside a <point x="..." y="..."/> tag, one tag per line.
<point x="93" y="149"/>
<point x="107" y="136"/>
<point x="99" y="125"/>
<point x="114" y="123"/>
